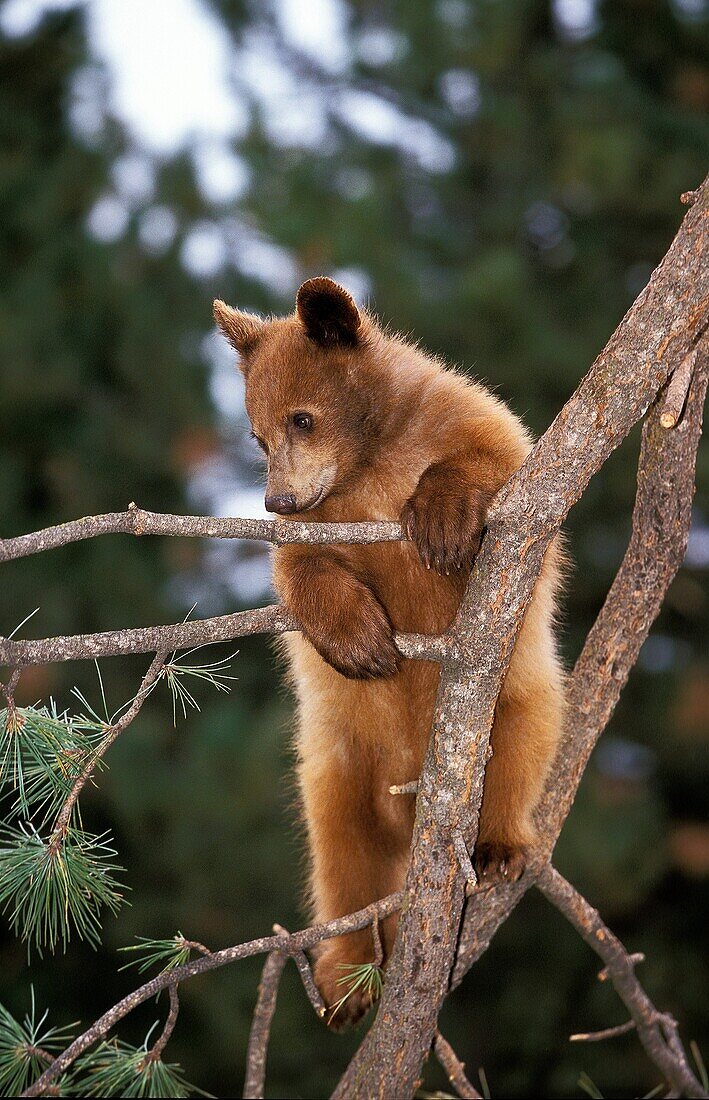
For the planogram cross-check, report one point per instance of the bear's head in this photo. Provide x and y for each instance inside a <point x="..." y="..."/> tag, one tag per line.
<point x="313" y="394"/>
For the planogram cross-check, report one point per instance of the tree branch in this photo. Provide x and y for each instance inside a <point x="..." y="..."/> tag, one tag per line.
<point x="656" y="334"/>
<point x="454" y="1068"/>
<point x="136" y="521"/>
<point x="661" y="521"/>
<point x="657" y="1031"/>
<point x="149" y="639"/>
<point x="259" y="1035"/>
<point x="291" y="943"/>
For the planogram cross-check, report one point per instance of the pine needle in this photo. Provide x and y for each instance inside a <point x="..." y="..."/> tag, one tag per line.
<point x="116" y="1068"/>
<point x="50" y="888"/>
<point x="367" y="977"/>
<point x="27" y="1048"/>
<point x="170" y="953"/>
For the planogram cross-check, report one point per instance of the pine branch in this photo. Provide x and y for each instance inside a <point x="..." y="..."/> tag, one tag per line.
<point x="292" y="943"/>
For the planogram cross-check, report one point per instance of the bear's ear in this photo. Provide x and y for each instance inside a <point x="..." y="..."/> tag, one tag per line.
<point x="328" y="313"/>
<point x="242" y="330"/>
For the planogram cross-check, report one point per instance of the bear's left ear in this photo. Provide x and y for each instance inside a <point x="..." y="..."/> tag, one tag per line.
<point x="328" y="313"/>
<point x="242" y="330"/>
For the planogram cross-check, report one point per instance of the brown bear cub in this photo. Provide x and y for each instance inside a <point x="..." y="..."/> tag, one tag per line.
<point x="358" y="424"/>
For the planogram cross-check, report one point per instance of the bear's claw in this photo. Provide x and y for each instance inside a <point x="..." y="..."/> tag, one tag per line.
<point x="498" y="861"/>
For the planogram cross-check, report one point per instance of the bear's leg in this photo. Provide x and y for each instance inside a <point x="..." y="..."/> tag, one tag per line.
<point x="525" y="737"/>
<point x="359" y="839"/>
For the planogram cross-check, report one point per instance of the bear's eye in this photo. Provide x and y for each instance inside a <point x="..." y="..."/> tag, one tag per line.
<point x="302" y="421"/>
<point x="260" y="442"/>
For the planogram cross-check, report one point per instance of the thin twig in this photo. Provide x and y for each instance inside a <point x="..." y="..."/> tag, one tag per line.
<point x="454" y="1068"/>
<point x="112" y="733"/>
<point x="657" y="1031"/>
<point x="405" y="788"/>
<point x="292" y="944"/>
<point x="260" y="1032"/>
<point x="306" y="975"/>
<point x="607" y="1033"/>
<point x="155" y="1052"/>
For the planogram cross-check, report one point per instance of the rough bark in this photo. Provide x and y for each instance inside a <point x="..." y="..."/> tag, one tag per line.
<point x="651" y="341"/>
<point x="661" y="522"/>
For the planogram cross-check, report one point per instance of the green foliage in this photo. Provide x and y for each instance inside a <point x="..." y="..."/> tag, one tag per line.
<point x="53" y="885"/>
<point x="367" y="978"/>
<point x="176" y="672"/>
<point x="26" y="1048"/>
<point x="170" y="953"/>
<point x="116" y="1068"/>
<point x="42" y="753"/>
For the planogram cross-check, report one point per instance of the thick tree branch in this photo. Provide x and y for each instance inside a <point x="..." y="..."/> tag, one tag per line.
<point x="657" y="1031"/>
<point x="660" y="527"/>
<point x="657" y="333"/>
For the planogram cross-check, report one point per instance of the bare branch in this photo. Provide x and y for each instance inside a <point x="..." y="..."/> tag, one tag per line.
<point x="662" y="517"/>
<point x="222" y="628"/>
<point x="155" y="1052"/>
<point x="292" y="944"/>
<point x="136" y="521"/>
<point x="607" y="1033"/>
<point x="261" y="1023"/>
<point x="657" y="1031"/>
<point x="454" y="1068"/>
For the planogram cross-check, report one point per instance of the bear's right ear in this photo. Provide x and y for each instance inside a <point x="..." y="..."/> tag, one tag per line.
<point x="242" y="330"/>
<point x="328" y="313"/>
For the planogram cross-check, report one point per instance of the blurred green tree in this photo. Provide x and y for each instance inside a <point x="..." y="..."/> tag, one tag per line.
<point x="498" y="179"/>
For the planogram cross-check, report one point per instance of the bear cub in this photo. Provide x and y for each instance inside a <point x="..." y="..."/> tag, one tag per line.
<point x="359" y="424"/>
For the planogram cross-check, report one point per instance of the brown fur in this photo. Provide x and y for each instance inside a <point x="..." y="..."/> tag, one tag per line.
<point x="394" y="435"/>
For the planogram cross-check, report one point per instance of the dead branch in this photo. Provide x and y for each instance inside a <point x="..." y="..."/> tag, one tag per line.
<point x="607" y="1033"/>
<point x="136" y="521"/>
<point x="290" y="943"/>
<point x="454" y="1068"/>
<point x="657" y="1031"/>
<point x="261" y="1021"/>
<point x="155" y="1052"/>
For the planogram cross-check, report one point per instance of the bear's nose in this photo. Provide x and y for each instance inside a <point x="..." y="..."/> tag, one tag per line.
<point x="284" y="504"/>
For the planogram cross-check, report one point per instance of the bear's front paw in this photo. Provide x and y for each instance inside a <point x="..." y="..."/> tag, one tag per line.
<point x="499" y="861"/>
<point x="360" y="646"/>
<point x="445" y="520"/>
